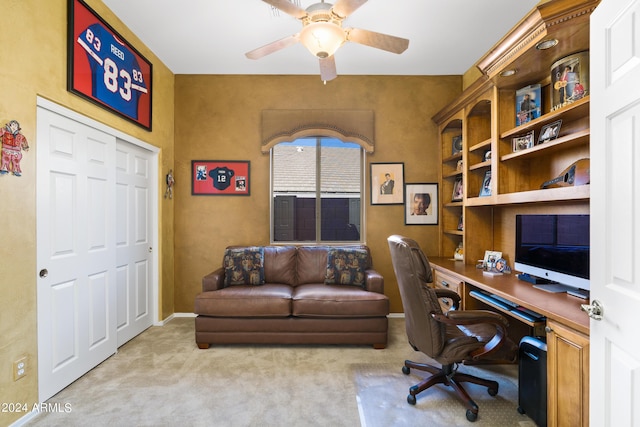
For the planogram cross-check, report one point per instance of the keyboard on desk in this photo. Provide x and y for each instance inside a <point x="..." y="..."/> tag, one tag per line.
<point x="507" y="305"/>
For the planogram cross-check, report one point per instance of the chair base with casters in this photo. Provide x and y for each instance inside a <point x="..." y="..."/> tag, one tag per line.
<point x="448" y="375"/>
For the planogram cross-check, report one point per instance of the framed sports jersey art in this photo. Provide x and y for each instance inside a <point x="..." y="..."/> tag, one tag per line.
<point x="104" y="68"/>
<point x="220" y="177"/>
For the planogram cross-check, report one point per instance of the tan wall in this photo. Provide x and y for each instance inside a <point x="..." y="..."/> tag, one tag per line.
<point x="33" y="62"/>
<point x="218" y="118"/>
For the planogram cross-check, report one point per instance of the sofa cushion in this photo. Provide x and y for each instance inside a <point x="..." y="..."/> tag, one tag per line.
<point x="268" y="300"/>
<point x="244" y="266"/>
<point x="346" y="266"/>
<point x="312" y="264"/>
<point x="320" y="300"/>
<point x="280" y="264"/>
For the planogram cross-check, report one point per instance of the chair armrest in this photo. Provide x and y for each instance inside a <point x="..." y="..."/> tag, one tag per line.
<point x="476" y="317"/>
<point x="448" y="293"/>
<point x="213" y="281"/>
<point x="373" y="281"/>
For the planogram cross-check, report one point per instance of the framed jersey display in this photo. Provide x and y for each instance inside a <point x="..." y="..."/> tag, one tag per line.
<point x="104" y="68"/>
<point x="220" y="177"/>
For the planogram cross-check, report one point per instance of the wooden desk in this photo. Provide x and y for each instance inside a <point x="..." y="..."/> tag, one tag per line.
<point x="567" y="335"/>
<point x="561" y="307"/>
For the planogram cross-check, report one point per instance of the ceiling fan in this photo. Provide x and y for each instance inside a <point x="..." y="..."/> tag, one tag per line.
<point x="322" y="33"/>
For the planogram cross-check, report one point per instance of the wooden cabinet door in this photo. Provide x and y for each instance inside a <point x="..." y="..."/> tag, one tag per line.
<point x="567" y="376"/>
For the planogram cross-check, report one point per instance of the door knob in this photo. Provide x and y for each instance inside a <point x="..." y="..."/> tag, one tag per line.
<point x="44" y="273"/>
<point x="594" y="311"/>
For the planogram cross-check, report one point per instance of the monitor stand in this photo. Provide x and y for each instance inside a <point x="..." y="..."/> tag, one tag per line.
<point x="554" y="288"/>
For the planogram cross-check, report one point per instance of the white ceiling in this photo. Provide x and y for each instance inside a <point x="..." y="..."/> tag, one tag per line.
<point x="212" y="36"/>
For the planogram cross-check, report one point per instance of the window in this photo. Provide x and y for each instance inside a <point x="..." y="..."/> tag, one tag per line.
<point x="311" y="169"/>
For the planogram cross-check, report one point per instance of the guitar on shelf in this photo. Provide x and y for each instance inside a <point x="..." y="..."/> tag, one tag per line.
<point x="576" y="174"/>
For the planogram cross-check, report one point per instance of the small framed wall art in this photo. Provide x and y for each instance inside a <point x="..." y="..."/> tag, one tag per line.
<point x="387" y="181"/>
<point x="104" y="68"/>
<point x="220" y="178"/>
<point x="421" y="204"/>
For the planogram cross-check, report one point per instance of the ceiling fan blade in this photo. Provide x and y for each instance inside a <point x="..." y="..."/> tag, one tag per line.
<point x="344" y="8"/>
<point x="328" y="68"/>
<point x="287" y="7"/>
<point x="273" y="47"/>
<point x="378" y="40"/>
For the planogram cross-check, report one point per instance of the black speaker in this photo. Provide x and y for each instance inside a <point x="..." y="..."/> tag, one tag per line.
<point x="532" y="380"/>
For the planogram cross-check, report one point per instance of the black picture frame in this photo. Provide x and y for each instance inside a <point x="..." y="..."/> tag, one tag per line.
<point x="416" y="196"/>
<point x="386" y="183"/>
<point x="549" y="132"/>
<point x="105" y="69"/>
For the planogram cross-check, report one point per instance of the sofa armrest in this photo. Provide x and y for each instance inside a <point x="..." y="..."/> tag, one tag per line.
<point x="373" y="282"/>
<point x="213" y="281"/>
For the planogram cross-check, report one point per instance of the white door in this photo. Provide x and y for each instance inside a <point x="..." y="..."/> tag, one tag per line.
<point x="76" y="251"/>
<point x="615" y="213"/>
<point x="134" y="259"/>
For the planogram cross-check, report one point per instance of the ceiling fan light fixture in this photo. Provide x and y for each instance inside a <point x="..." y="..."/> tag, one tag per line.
<point x="322" y="39"/>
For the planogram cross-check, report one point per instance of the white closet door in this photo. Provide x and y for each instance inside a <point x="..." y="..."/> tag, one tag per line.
<point x="133" y="240"/>
<point x="76" y="250"/>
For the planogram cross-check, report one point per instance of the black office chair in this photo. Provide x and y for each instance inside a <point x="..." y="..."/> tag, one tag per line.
<point x="449" y="338"/>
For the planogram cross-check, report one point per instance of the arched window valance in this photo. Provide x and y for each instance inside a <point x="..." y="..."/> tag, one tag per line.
<point x="347" y="125"/>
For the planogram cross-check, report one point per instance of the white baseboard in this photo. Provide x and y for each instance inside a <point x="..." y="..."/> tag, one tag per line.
<point x="396" y="316"/>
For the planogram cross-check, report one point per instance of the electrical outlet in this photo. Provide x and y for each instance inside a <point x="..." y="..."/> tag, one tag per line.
<point x="19" y="368"/>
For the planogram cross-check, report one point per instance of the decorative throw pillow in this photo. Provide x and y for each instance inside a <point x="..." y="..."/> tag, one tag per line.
<point x="346" y="266"/>
<point x="244" y="266"/>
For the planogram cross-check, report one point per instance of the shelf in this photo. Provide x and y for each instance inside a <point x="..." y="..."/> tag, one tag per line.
<point x="579" y="193"/>
<point x="568" y="141"/>
<point x="485" y="164"/>
<point x="568" y="113"/>
<point x="454" y="157"/>
<point x="455" y="174"/>
<point x="481" y="145"/>
<point x="453" y="204"/>
<point x="454" y="232"/>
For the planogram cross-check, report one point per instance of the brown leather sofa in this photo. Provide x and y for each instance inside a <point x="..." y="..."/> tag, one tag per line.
<point x="295" y="302"/>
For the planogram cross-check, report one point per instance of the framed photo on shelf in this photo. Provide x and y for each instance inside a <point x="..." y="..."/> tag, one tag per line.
<point x="549" y="132"/>
<point x="421" y="204"/>
<point x="456" y="144"/>
<point x="485" y="190"/>
<point x="528" y="104"/>
<point x="220" y="178"/>
<point x="104" y="68"/>
<point x="387" y="182"/>
<point x="458" y="191"/>
<point x="523" y="142"/>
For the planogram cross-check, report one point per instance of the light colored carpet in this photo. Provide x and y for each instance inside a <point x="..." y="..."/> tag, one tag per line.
<point x="383" y="390"/>
<point x="161" y="378"/>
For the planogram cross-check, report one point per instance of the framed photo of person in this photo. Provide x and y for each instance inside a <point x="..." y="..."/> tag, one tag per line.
<point x="528" y="104"/>
<point x="549" y="132"/>
<point x="421" y="204"/>
<point x="104" y="68"/>
<point x="523" y="142"/>
<point x="485" y="190"/>
<point x="458" y="191"/>
<point x="387" y="182"/>
<point x="220" y="178"/>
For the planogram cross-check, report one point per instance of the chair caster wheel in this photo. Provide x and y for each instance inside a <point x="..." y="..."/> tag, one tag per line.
<point x="405" y="370"/>
<point x="411" y="399"/>
<point x="471" y="416"/>
<point x="492" y="391"/>
<point x="520" y="410"/>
